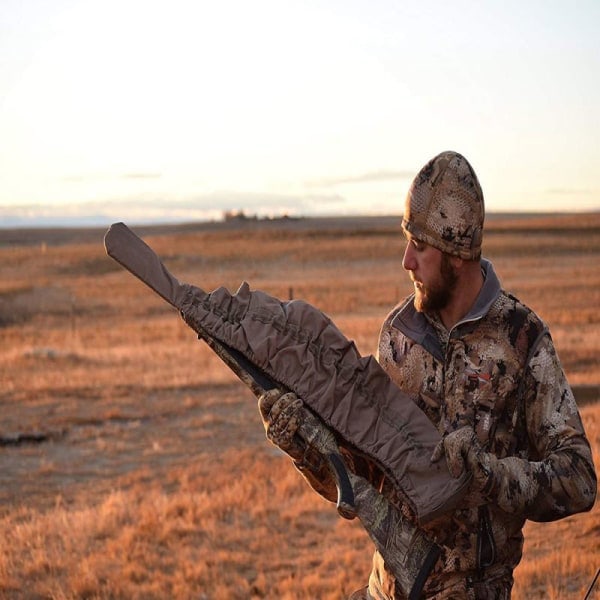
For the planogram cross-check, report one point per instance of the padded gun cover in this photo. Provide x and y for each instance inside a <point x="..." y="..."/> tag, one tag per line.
<point x="301" y="348"/>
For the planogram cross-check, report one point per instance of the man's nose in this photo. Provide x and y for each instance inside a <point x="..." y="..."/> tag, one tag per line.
<point x="408" y="260"/>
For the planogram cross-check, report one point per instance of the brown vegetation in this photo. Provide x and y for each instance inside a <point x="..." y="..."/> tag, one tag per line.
<point x="134" y="464"/>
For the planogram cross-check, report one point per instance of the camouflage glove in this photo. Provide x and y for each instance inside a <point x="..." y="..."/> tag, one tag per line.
<point x="463" y="451"/>
<point x="282" y="413"/>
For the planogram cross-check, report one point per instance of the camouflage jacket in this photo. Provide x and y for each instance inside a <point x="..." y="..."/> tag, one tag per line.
<point x="498" y="371"/>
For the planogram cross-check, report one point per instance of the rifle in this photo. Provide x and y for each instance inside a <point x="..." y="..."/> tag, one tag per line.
<point x="406" y="549"/>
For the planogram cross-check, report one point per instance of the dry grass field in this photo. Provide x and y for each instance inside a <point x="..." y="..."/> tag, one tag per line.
<point x="134" y="465"/>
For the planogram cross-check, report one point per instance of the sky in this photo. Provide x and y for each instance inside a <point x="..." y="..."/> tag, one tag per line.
<point x="147" y="111"/>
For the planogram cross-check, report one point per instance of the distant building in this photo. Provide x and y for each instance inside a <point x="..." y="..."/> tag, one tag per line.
<point x="237" y="215"/>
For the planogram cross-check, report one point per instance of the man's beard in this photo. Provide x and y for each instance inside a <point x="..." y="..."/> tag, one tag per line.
<point x="433" y="298"/>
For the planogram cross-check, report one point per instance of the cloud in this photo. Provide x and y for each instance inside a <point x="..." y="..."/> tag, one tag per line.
<point x="144" y="209"/>
<point x="141" y="176"/>
<point x="261" y="201"/>
<point x="91" y="178"/>
<point x="370" y="177"/>
<point x="569" y="191"/>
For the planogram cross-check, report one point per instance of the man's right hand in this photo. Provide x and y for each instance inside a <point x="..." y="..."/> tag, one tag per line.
<point x="282" y="414"/>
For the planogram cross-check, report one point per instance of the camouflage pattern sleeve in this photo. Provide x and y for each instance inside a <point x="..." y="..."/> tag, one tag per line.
<point x="552" y="474"/>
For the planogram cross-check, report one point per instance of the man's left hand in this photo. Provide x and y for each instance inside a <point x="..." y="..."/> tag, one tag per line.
<point x="463" y="452"/>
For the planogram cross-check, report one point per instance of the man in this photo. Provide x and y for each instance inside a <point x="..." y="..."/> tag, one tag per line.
<point x="483" y="368"/>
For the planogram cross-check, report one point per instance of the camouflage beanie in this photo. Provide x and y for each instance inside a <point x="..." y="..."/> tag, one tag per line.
<point x="444" y="206"/>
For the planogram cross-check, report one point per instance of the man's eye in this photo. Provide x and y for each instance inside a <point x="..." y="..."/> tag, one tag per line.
<point x="418" y="246"/>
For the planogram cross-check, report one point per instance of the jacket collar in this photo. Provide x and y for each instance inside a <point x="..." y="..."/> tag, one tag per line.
<point x="416" y="327"/>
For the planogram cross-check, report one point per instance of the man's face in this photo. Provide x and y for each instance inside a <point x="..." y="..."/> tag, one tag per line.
<point x="432" y="274"/>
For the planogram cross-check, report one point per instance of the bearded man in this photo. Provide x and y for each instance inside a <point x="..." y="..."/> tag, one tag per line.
<point x="482" y="366"/>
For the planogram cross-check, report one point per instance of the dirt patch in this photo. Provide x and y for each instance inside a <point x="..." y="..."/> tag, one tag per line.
<point x="21" y="304"/>
<point x="90" y="451"/>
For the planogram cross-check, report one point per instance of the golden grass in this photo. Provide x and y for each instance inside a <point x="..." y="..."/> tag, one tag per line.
<point x="156" y="480"/>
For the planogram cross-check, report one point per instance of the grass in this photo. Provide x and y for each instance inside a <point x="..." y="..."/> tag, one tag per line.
<point x="156" y="480"/>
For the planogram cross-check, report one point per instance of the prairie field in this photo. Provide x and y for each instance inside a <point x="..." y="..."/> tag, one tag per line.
<point x="134" y="464"/>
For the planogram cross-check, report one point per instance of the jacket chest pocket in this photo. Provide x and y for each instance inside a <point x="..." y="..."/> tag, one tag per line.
<point x="478" y="397"/>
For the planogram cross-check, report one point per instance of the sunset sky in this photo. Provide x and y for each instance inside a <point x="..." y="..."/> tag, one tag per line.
<point x="140" y="110"/>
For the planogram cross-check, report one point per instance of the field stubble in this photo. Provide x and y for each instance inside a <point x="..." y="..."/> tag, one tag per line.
<point x="134" y="465"/>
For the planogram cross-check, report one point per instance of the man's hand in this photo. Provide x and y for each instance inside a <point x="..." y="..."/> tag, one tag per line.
<point x="282" y="414"/>
<point x="463" y="452"/>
